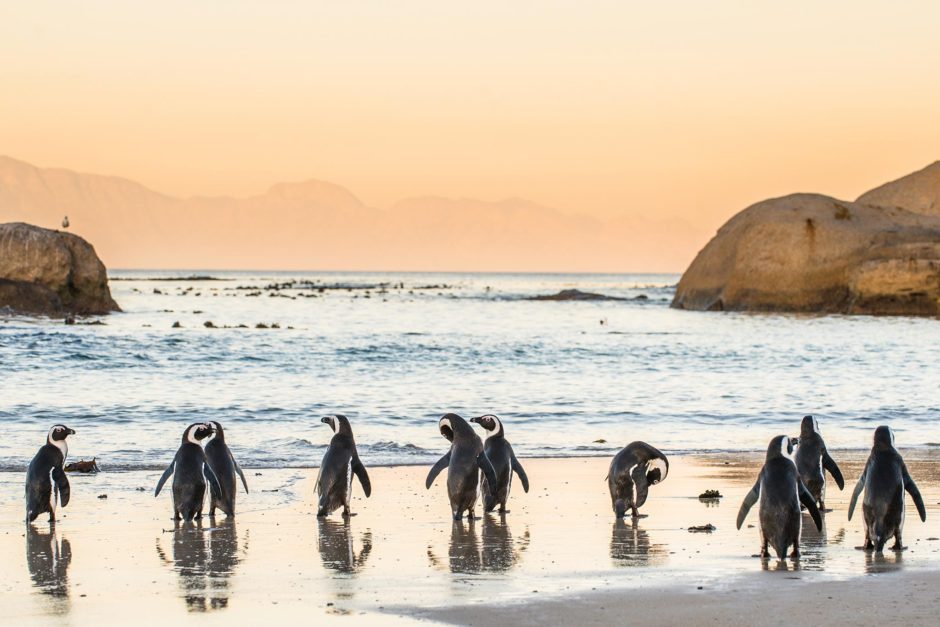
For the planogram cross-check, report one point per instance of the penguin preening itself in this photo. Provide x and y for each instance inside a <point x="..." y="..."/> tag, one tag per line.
<point x="191" y="472"/>
<point x="46" y="482"/>
<point x="780" y="491"/>
<point x="340" y="462"/>
<point x="223" y="464"/>
<point x="499" y="452"/>
<point x="632" y="471"/>
<point x="811" y="458"/>
<point x="885" y="479"/>
<point x="463" y="461"/>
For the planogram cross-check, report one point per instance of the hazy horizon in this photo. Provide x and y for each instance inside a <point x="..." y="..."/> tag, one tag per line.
<point x="653" y="123"/>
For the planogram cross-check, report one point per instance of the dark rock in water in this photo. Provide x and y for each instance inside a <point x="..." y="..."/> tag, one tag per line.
<point x="83" y="466"/>
<point x="574" y="295"/>
<point x="702" y="528"/>
<point x="710" y="494"/>
<point x="51" y="273"/>
<point x="177" y="325"/>
<point x="261" y="325"/>
<point x="208" y="324"/>
<point x="641" y="297"/>
<point x="69" y="320"/>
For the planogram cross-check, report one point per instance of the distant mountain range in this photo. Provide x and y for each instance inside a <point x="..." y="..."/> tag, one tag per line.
<point x="321" y="226"/>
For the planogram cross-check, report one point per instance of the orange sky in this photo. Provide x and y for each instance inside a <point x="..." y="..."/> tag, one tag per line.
<point x="679" y="110"/>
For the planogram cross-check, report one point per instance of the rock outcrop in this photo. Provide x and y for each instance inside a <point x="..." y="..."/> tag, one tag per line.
<point x="811" y="253"/>
<point x="51" y="273"/>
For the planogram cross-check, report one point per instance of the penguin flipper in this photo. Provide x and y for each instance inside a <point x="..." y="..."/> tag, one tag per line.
<point x="488" y="471"/>
<point x="749" y="499"/>
<point x="213" y="481"/>
<point x="911" y="488"/>
<point x="833" y="468"/>
<point x="166" y="475"/>
<point x="441" y="464"/>
<point x="858" y="490"/>
<point x="807" y="499"/>
<point x="64" y="491"/>
<point x="363" y="476"/>
<point x="241" y="474"/>
<point x="517" y="468"/>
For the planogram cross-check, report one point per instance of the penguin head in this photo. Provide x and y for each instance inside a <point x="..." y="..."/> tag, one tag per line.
<point x="217" y="430"/>
<point x="490" y="423"/>
<point x="656" y="470"/>
<point x="58" y="433"/>
<point x="451" y="425"/>
<point x="809" y="426"/>
<point x="196" y="432"/>
<point x="781" y="446"/>
<point x="338" y="422"/>
<point x="884" y="436"/>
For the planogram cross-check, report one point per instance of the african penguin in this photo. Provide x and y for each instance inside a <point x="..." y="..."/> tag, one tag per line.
<point x="223" y="464"/>
<point x="632" y="471"/>
<point x="811" y="458"/>
<point x="499" y="452"/>
<point x="885" y="479"/>
<point x="190" y="473"/>
<point x="780" y="491"/>
<point x="46" y="482"/>
<point x="340" y="462"/>
<point x="463" y="461"/>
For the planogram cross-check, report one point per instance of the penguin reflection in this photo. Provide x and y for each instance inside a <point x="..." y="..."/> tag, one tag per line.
<point x="335" y="542"/>
<point x="630" y="545"/>
<point x="48" y="561"/>
<point x="496" y="552"/>
<point x="204" y="560"/>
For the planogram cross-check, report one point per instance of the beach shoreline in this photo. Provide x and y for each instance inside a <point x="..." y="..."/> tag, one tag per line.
<point x="401" y="555"/>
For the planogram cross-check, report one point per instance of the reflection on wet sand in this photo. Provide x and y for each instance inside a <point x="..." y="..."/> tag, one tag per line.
<point x="497" y="552"/>
<point x="886" y="562"/>
<point x="204" y="559"/>
<point x="335" y="542"/>
<point x="48" y="561"/>
<point x="630" y="546"/>
<point x="814" y="543"/>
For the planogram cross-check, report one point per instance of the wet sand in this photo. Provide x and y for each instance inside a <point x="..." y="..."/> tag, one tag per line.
<point x="559" y="556"/>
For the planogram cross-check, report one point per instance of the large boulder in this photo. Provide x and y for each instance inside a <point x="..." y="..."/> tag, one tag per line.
<point x="51" y="273"/>
<point x="816" y="254"/>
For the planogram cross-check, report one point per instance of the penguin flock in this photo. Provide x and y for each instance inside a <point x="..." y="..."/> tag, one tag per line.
<point x="791" y="479"/>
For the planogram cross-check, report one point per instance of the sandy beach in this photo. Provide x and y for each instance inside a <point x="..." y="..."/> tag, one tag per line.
<point x="558" y="556"/>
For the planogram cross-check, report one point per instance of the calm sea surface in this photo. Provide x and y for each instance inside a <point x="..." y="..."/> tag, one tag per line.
<point x="394" y="351"/>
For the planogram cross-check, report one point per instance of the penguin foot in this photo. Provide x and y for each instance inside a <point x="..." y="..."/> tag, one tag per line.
<point x="321" y="513"/>
<point x="639" y="516"/>
<point x="898" y="548"/>
<point x="764" y="554"/>
<point x="795" y="555"/>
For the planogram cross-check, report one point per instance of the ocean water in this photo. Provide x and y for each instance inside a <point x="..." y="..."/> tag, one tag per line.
<point x="394" y="351"/>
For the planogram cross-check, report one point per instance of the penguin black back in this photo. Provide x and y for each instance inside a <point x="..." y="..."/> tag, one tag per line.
<point x="46" y="482"/>
<point x="463" y="461"/>
<point x="885" y="478"/>
<point x="811" y="458"/>
<point x="223" y="464"/>
<point x="190" y="473"/>
<point x="501" y="456"/>
<point x="340" y="462"/>
<point x="780" y="492"/>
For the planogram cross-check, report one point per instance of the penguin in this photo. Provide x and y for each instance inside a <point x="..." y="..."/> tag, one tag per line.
<point x="463" y="460"/>
<point x="811" y="458"/>
<point x="632" y="471"/>
<point x="223" y="464"/>
<point x="780" y="491"/>
<point x="191" y="473"/>
<point x="885" y="479"/>
<point x="340" y="462"/>
<point x="46" y="482"/>
<point x="499" y="452"/>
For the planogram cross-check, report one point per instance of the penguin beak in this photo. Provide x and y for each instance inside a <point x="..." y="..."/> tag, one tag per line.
<point x="71" y="431"/>
<point x="325" y="420"/>
<point x="475" y="419"/>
